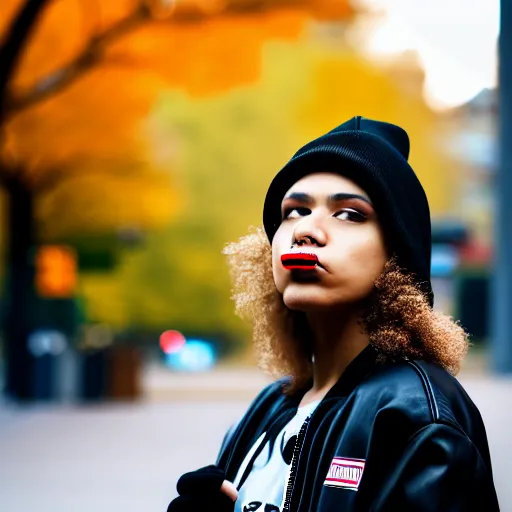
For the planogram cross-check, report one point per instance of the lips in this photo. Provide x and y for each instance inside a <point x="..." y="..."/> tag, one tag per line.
<point x="299" y="261"/>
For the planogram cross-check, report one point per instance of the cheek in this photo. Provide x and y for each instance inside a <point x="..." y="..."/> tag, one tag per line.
<point x="371" y="256"/>
<point x="361" y="260"/>
<point x="278" y="271"/>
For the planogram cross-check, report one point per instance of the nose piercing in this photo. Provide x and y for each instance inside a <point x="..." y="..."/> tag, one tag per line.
<point x="300" y="241"/>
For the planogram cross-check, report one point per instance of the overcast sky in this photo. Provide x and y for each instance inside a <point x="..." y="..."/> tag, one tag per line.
<point x="456" y="41"/>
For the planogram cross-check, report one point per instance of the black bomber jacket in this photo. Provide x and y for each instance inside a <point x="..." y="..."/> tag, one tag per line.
<point x="396" y="436"/>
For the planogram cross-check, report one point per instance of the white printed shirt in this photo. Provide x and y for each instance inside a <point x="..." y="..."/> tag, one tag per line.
<point x="264" y="489"/>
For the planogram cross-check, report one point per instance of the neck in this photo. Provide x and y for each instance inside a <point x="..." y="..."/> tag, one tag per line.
<point x="338" y="339"/>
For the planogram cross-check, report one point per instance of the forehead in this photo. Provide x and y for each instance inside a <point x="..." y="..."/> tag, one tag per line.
<point x="325" y="183"/>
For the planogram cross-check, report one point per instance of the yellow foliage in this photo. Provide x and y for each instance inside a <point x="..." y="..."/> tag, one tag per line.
<point x="107" y="203"/>
<point x="105" y="300"/>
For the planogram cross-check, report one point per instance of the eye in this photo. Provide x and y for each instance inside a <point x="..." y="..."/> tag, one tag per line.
<point x="351" y="215"/>
<point x="295" y="213"/>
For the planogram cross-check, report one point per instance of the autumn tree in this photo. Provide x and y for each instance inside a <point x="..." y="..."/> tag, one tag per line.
<point x="75" y="80"/>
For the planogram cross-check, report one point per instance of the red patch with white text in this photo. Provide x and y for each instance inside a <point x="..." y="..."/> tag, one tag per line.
<point x="345" y="473"/>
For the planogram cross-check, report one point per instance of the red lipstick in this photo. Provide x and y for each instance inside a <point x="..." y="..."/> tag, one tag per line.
<point x="299" y="261"/>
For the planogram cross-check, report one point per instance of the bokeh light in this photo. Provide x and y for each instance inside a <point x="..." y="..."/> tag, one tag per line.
<point x="172" y="341"/>
<point x="194" y="356"/>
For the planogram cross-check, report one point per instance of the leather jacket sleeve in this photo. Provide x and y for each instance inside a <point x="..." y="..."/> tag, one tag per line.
<point x="225" y="441"/>
<point x="441" y="469"/>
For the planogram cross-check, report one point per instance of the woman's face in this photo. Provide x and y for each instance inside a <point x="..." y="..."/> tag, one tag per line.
<point x="332" y="218"/>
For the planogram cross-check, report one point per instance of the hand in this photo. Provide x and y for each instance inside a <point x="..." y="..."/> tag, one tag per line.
<point x="229" y="489"/>
<point x="204" y="489"/>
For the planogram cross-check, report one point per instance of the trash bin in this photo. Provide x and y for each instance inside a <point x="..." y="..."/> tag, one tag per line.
<point x="93" y="375"/>
<point x="124" y="373"/>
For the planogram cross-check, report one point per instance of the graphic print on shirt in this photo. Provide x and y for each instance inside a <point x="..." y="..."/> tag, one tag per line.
<point x="264" y="489"/>
<point x="257" y="505"/>
<point x="268" y="476"/>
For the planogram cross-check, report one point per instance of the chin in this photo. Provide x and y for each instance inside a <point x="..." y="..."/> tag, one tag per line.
<point x="313" y="297"/>
<point x="301" y="299"/>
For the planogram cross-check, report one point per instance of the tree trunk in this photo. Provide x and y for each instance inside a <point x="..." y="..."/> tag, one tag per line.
<point x="19" y="296"/>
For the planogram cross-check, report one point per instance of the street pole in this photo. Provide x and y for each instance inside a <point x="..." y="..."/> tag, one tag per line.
<point x="501" y="296"/>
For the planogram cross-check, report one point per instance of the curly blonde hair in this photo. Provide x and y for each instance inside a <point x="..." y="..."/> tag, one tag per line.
<point x="399" y="320"/>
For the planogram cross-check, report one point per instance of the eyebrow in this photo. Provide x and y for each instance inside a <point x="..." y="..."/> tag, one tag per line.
<point x="334" y="198"/>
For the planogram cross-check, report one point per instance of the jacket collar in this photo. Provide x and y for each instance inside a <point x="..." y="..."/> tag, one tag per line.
<point x="357" y="371"/>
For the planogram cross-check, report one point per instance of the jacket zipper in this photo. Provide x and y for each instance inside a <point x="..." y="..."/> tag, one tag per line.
<point x="294" y="464"/>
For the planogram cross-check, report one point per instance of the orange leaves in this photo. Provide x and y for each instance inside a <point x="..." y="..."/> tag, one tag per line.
<point x="92" y="124"/>
<point x="331" y="9"/>
<point x="209" y="56"/>
<point x="325" y="9"/>
<point x="195" y="8"/>
<point x="202" y="45"/>
<point x="95" y="118"/>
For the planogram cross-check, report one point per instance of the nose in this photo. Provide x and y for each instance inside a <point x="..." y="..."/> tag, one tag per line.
<point x="308" y="231"/>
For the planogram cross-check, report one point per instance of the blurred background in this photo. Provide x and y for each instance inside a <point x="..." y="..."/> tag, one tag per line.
<point x="137" y="138"/>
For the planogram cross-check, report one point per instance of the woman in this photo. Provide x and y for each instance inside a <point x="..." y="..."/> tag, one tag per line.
<point x="368" y="415"/>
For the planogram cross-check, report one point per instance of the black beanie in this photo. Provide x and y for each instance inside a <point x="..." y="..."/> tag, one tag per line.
<point x="374" y="155"/>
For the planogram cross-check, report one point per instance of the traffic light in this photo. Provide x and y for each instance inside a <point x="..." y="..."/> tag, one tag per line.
<point x="56" y="271"/>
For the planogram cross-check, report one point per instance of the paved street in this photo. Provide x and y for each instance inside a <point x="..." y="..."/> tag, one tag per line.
<point x="117" y="458"/>
<point x="127" y="457"/>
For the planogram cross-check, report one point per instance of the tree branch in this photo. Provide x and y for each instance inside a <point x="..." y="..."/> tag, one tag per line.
<point x="15" y="40"/>
<point x="84" y="61"/>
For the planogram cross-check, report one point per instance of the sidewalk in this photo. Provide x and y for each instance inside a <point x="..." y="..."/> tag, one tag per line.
<point x="243" y="382"/>
<point x="224" y="383"/>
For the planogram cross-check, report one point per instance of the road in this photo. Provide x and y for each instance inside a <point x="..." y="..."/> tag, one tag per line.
<point x="127" y="457"/>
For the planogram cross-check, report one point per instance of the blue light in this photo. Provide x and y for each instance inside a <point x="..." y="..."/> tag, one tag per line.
<point x="445" y="259"/>
<point x="194" y="356"/>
